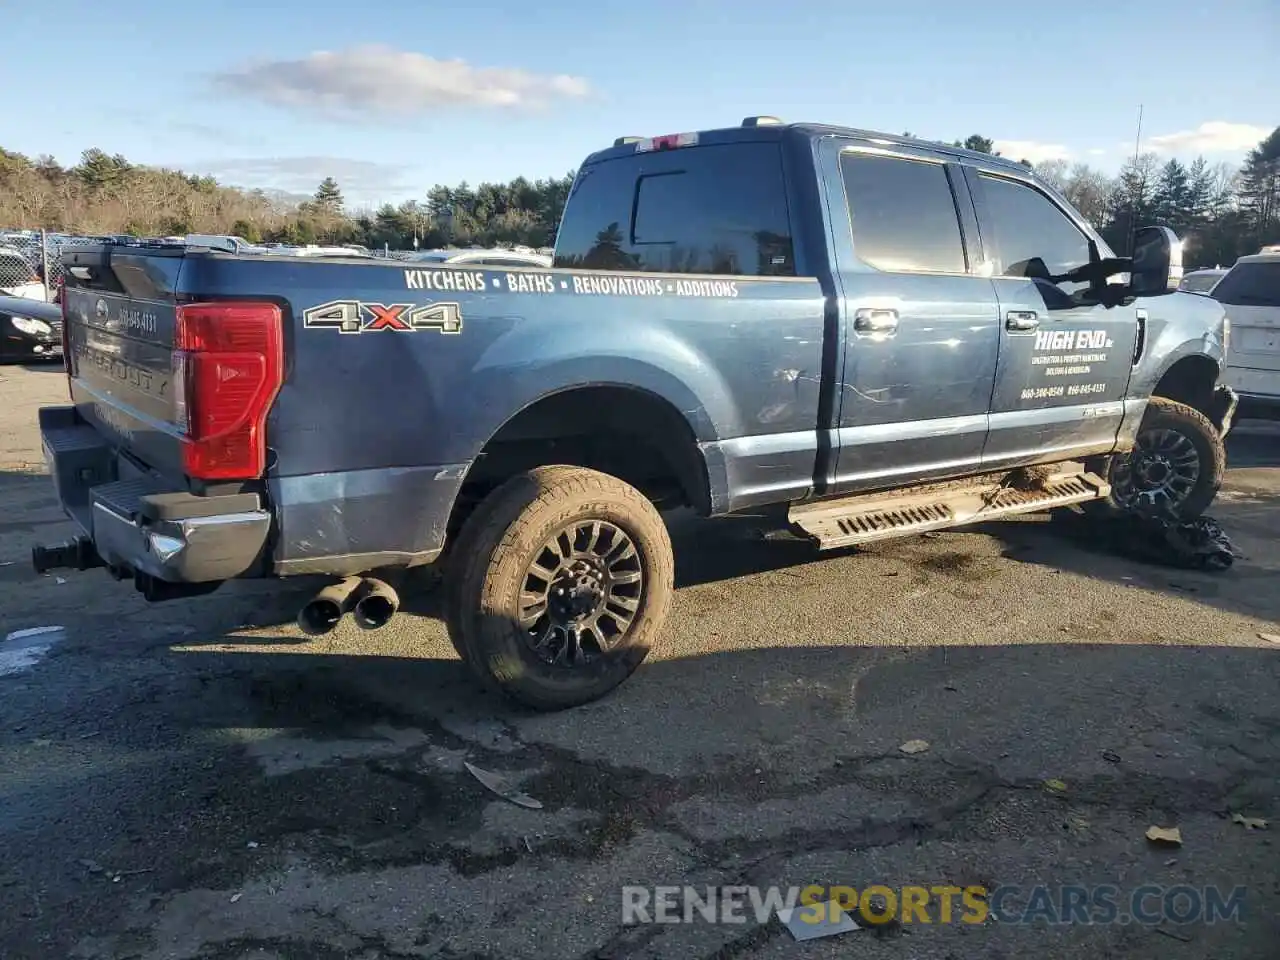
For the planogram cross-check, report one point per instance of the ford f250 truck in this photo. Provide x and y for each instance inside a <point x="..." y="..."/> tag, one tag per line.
<point x="871" y="335"/>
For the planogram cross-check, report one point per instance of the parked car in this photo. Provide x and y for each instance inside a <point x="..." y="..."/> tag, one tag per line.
<point x="1250" y="293"/>
<point x="864" y="335"/>
<point x="488" y="258"/>
<point x="19" y="277"/>
<point x="1202" y="281"/>
<point x="30" y="329"/>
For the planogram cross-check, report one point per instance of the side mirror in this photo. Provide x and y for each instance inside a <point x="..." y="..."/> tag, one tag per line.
<point x="1157" y="262"/>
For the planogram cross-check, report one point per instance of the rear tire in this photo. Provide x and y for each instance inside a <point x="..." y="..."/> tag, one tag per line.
<point x="559" y="584"/>
<point x="1176" y="466"/>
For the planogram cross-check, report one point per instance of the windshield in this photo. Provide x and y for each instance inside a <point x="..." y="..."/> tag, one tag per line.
<point x="1200" y="282"/>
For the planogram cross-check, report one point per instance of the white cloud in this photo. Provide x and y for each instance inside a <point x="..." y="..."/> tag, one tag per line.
<point x="1098" y="152"/>
<point x="376" y="79"/>
<point x="1215" y="136"/>
<point x="1032" y="150"/>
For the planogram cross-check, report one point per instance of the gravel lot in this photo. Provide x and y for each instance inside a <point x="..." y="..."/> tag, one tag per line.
<point x="196" y="779"/>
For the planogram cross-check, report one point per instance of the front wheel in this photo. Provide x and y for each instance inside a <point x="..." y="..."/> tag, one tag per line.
<point x="563" y="579"/>
<point x="1175" y="468"/>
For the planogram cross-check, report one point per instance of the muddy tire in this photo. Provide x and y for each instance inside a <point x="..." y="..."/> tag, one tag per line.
<point x="1178" y="463"/>
<point x="558" y="586"/>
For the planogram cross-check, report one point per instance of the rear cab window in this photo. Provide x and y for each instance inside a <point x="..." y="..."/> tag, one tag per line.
<point x="716" y="209"/>
<point x="1252" y="284"/>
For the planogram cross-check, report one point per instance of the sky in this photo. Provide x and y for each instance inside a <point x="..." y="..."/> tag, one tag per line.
<point x="393" y="96"/>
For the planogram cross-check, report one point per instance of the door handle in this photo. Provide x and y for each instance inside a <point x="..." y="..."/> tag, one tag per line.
<point x="1018" y="320"/>
<point x="875" y="320"/>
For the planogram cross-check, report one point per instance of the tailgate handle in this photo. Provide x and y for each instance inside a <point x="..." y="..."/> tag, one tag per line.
<point x="1019" y="320"/>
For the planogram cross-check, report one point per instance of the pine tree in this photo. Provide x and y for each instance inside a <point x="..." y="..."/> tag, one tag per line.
<point x="1260" y="186"/>
<point x="978" y="143"/>
<point x="1170" y="198"/>
<point x="328" y="197"/>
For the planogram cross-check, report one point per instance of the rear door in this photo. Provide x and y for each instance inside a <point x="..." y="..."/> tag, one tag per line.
<point x="1064" y="368"/>
<point x="1250" y="294"/>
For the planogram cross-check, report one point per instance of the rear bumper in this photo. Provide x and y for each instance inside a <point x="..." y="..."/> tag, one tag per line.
<point x="138" y="524"/>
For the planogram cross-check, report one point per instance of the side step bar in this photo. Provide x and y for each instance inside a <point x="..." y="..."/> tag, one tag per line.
<point x="880" y="516"/>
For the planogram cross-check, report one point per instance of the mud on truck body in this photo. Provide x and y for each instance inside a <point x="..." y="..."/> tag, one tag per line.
<point x="871" y="336"/>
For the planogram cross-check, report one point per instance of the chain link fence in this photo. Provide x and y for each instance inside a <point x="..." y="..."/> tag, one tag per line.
<point x="31" y="262"/>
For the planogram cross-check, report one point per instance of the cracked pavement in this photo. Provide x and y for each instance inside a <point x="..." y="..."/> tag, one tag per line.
<point x="197" y="780"/>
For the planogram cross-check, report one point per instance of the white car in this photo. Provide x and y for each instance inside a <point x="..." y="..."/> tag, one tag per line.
<point x="18" y="277"/>
<point x="482" y="258"/>
<point x="1250" y="294"/>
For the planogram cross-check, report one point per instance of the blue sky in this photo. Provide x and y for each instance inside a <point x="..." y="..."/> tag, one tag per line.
<point x="284" y="93"/>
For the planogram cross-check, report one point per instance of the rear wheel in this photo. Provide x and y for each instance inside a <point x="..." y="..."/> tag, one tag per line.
<point x="560" y="583"/>
<point x="1176" y="466"/>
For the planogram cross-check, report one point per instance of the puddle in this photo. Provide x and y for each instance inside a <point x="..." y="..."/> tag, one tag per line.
<point x="23" y="649"/>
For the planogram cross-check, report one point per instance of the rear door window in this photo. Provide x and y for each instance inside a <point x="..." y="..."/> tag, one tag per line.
<point x="1254" y="284"/>
<point x="712" y="210"/>
<point x="904" y="214"/>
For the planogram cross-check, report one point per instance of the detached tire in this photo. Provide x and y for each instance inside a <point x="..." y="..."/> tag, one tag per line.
<point x="559" y="584"/>
<point x="1177" y="464"/>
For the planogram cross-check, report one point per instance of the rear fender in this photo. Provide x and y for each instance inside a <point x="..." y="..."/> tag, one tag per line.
<point x="527" y="370"/>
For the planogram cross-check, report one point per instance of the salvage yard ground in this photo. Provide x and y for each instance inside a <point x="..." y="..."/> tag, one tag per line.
<point x="197" y="780"/>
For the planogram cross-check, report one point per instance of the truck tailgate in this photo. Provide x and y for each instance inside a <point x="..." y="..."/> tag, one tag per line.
<point x="119" y="315"/>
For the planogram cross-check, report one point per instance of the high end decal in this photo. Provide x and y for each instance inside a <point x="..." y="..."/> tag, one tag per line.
<point x="355" y="316"/>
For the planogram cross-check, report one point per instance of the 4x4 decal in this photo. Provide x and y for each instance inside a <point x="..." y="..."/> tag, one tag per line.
<point x="354" y="316"/>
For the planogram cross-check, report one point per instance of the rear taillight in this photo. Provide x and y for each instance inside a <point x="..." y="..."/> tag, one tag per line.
<point x="228" y="366"/>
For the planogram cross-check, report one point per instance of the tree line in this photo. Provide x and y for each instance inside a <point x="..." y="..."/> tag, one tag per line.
<point x="1222" y="212"/>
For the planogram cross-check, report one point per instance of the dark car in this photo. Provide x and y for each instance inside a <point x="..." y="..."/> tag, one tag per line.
<point x="29" y="329"/>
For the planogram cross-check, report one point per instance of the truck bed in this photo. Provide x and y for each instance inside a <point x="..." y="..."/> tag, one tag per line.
<point x="395" y="375"/>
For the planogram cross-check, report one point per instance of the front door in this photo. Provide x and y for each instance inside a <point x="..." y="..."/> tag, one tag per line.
<point x="1063" y="369"/>
<point x="921" y="326"/>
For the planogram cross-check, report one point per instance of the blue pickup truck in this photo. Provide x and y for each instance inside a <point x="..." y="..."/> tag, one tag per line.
<point x="872" y="336"/>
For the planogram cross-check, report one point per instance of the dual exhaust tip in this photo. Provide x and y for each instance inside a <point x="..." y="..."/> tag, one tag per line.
<point x="371" y="602"/>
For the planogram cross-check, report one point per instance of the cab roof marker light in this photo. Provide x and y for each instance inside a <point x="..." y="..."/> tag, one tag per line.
<point x="761" y="121"/>
<point x="670" y="141"/>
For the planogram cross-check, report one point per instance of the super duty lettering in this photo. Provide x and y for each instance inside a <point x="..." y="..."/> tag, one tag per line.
<point x="524" y="428"/>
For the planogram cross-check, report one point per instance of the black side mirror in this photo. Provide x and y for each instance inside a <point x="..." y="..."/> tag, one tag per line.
<point x="1157" y="262"/>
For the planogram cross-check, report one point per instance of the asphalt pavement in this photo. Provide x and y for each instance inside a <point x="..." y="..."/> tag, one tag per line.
<point x="196" y="779"/>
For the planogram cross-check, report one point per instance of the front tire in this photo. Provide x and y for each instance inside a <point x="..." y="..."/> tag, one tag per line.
<point x="561" y="581"/>
<point x="1176" y="467"/>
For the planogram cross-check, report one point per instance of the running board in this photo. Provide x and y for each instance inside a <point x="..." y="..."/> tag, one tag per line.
<point x="879" y="516"/>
